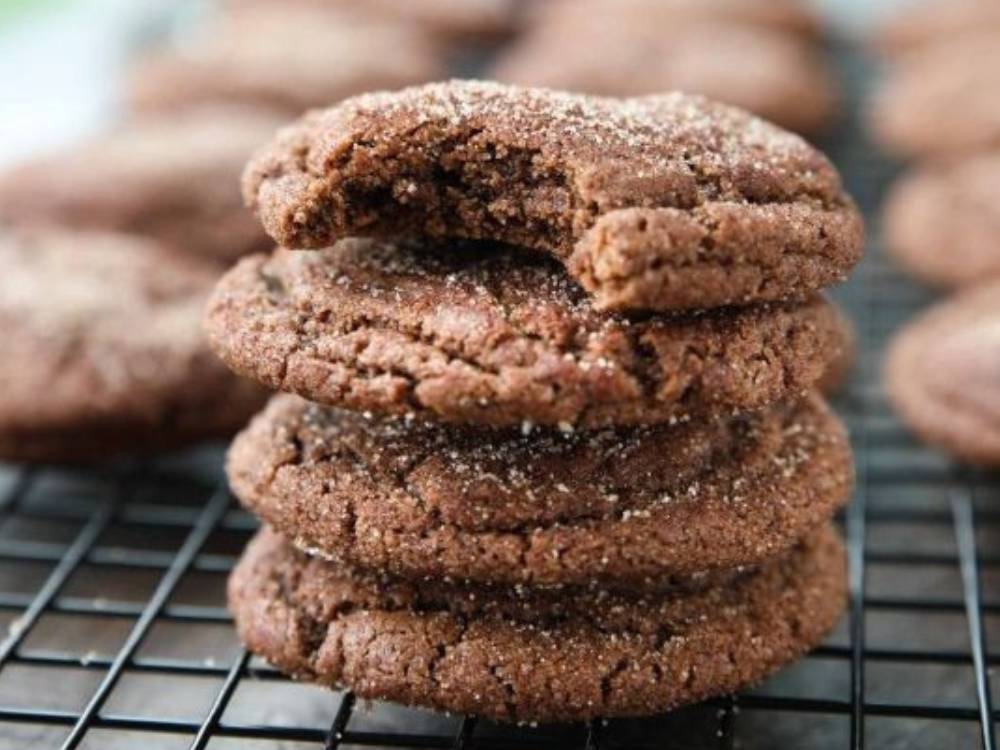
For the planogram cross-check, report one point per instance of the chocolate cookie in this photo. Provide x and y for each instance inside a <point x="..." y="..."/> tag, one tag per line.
<point x="777" y="76"/>
<point x="789" y="16"/>
<point x="460" y="650"/>
<point x="941" y="222"/>
<point x="838" y="371"/>
<point x="661" y="203"/>
<point x="934" y="21"/>
<point x="942" y="374"/>
<point x="624" y="507"/>
<point x="941" y="101"/>
<point x="489" y="336"/>
<point x="174" y="180"/>
<point x="285" y="58"/>
<point x="102" y="350"/>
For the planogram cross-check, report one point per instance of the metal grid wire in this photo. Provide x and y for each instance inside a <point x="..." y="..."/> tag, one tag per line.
<point x="112" y="590"/>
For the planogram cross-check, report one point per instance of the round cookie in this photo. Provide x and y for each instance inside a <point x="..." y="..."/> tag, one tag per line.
<point x="659" y="203"/>
<point x="463" y="651"/>
<point x="935" y="21"/>
<point x="102" y="350"/>
<point x="941" y="101"/>
<point x="628" y="507"/>
<point x="174" y="180"/>
<point x="941" y="222"/>
<point x="289" y="59"/>
<point x="489" y="336"/>
<point x="942" y="374"/>
<point x="838" y="372"/>
<point x="772" y="74"/>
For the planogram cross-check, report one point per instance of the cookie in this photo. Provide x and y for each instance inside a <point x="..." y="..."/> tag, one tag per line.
<point x="942" y="374"/>
<point x="661" y="203"/>
<point x="792" y="17"/>
<point x="102" y="350"/>
<point x="626" y="507"/>
<point x="941" y="222"/>
<point x="459" y="650"/>
<point x="175" y="181"/>
<point x="840" y="368"/>
<point x="774" y="75"/>
<point x="285" y="58"/>
<point x="934" y="21"/>
<point x="941" y="102"/>
<point x="496" y="336"/>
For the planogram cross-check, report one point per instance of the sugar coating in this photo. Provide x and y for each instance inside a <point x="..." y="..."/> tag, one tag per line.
<point x="662" y="202"/>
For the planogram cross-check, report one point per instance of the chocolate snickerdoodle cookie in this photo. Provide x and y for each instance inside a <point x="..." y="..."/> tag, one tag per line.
<point x="625" y="507"/>
<point x="934" y="21"/>
<point x="662" y="203"/>
<point x="942" y="374"/>
<point x="103" y="354"/>
<point x="942" y="101"/>
<point x="941" y="222"/>
<point x="537" y="658"/>
<point x="173" y="180"/>
<point x="496" y="336"/>
<point x="771" y="74"/>
<point x="288" y="59"/>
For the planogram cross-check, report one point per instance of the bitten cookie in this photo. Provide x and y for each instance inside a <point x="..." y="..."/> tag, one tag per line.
<point x="102" y="350"/>
<point x="942" y="374"/>
<point x="517" y="659"/>
<point x="499" y="337"/>
<point x="774" y="75"/>
<point x="941" y="222"/>
<point x="617" y="507"/>
<point x="916" y="25"/>
<point x="285" y="58"/>
<point x="941" y="101"/>
<point x="662" y="203"/>
<point x="173" y="180"/>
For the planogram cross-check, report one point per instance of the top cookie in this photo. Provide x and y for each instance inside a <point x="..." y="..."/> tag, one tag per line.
<point x="942" y="101"/>
<point x="287" y="59"/>
<point x="660" y="203"/>
<point x="933" y="21"/>
<point x="176" y="181"/>
<point x="772" y="74"/>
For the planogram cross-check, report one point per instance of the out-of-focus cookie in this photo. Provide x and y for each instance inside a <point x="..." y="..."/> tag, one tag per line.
<point x="941" y="222"/>
<point x="772" y="74"/>
<point x="621" y="508"/>
<point x="174" y="180"/>
<point x="914" y="25"/>
<point x="545" y="656"/>
<point x="285" y="58"/>
<point x="103" y="354"/>
<point x="499" y="337"/>
<point x="943" y="375"/>
<point x="838" y="371"/>
<point x="942" y="101"/>
<point x="668" y="202"/>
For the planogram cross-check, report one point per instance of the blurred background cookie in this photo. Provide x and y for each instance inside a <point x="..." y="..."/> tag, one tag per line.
<point x="604" y="51"/>
<point x="284" y="58"/>
<point x="174" y="180"/>
<point x="941" y="222"/>
<point x="103" y="353"/>
<point x="925" y="22"/>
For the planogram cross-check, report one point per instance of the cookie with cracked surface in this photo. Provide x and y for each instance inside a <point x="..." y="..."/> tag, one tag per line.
<point x="934" y="21"/>
<point x="941" y="222"/>
<point x="606" y="655"/>
<point x="174" y="180"/>
<point x="774" y="75"/>
<point x="941" y="102"/>
<point x="103" y="355"/>
<point x="499" y="336"/>
<point x="661" y="203"/>
<point x="626" y="507"/>
<point x="942" y="374"/>
<point x="288" y="59"/>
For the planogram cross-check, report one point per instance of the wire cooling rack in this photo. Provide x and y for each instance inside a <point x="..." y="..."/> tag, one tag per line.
<point x="112" y="595"/>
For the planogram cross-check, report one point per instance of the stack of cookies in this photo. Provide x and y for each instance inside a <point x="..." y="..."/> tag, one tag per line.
<point x="549" y="447"/>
